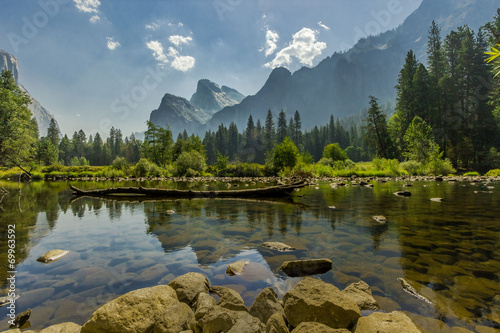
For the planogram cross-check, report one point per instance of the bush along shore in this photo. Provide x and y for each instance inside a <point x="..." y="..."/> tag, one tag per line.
<point x="189" y="304"/>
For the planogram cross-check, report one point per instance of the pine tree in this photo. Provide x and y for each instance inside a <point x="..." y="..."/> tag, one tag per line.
<point x="282" y="131"/>
<point x="298" y="130"/>
<point x="269" y="132"/>
<point x="233" y="141"/>
<point x="376" y="135"/>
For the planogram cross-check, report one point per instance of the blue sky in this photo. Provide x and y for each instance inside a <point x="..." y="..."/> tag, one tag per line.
<point x="101" y="63"/>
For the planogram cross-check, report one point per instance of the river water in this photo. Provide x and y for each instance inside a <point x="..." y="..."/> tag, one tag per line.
<point x="449" y="251"/>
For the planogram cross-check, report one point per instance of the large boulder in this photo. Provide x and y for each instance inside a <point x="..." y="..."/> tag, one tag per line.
<point x="312" y="327"/>
<point x="317" y="301"/>
<point x="204" y="302"/>
<point x="220" y="319"/>
<point x="277" y="324"/>
<point x="177" y="318"/>
<point x="308" y="267"/>
<point x="266" y="304"/>
<point x="394" y="322"/>
<point x="248" y="324"/>
<point x="136" y="311"/>
<point x="63" y="328"/>
<point x="229" y="298"/>
<point x="361" y="294"/>
<point x="189" y="285"/>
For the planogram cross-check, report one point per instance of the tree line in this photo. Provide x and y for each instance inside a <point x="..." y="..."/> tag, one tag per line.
<point x="448" y="108"/>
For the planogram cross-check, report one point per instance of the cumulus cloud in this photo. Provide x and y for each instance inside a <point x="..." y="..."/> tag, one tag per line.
<point x="178" y="62"/>
<point x="95" y="19"/>
<point x="157" y="49"/>
<point x="179" y="40"/>
<point x="270" y="46"/>
<point x="112" y="44"/>
<point x="323" y="26"/>
<point x="304" y="47"/>
<point x="87" y="6"/>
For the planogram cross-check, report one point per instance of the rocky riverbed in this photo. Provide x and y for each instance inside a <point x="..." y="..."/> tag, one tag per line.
<point x="189" y="304"/>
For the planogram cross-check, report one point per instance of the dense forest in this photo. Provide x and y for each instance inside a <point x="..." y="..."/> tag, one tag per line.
<point x="446" y="118"/>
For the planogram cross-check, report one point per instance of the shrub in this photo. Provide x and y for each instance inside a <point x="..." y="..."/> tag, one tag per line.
<point x="53" y="167"/>
<point x="412" y="167"/>
<point x="120" y="163"/>
<point x="378" y="164"/>
<point x="143" y="167"/>
<point x="246" y="170"/>
<point x="189" y="160"/>
<point x="334" y="152"/>
<point x="437" y="166"/>
<point x="472" y="174"/>
<point x="493" y="173"/>
<point x="285" y="155"/>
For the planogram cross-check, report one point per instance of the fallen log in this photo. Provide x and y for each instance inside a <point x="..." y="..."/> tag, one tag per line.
<point x="269" y="192"/>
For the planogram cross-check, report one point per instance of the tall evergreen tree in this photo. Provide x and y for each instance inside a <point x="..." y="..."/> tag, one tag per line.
<point x="282" y="131"/>
<point x="376" y="134"/>
<point x="298" y="130"/>
<point x="269" y="132"/>
<point x="233" y="141"/>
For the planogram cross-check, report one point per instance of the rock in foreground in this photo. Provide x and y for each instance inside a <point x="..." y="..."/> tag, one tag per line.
<point x="361" y="294"/>
<point x="134" y="312"/>
<point x="317" y="301"/>
<point x="189" y="285"/>
<point x="306" y="267"/>
<point x="394" y="322"/>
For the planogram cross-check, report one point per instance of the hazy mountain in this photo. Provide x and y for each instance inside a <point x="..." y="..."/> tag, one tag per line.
<point x="340" y="84"/>
<point x="212" y="98"/>
<point x="180" y="114"/>
<point x="41" y="114"/>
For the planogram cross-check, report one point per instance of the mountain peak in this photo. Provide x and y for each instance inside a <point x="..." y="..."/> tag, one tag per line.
<point x="210" y="97"/>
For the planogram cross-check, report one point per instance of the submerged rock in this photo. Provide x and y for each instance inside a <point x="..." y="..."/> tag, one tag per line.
<point x="407" y="286"/>
<point x="52" y="256"/>
<point x="361" y="294"/>
<point x="266" y="304"/>
<point x="394" y="322"/>
<point x="437" y="199"/>
<point x="236" y="268"/>
<point x="306" y="267"/>
<point x="189" y="285"/>
<point x="314" y="300"/>
<point x="134" y="312"/>
<point x="278" y="246"/>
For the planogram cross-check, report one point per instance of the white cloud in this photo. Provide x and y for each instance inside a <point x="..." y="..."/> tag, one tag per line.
<point x="178" y="62"/>
<point x="95" y="19"/>
<point x="157" y="49"/>
<point x="270" y="46"/>
<point x="303" y="47"/>
<point x="323" y="26"/>
<point x="112" y="44"/>
<point x="153" y="26"/>
<point x="183" y="63"/>
<point x="87" y="6"/>
<point x="178" y="40"/>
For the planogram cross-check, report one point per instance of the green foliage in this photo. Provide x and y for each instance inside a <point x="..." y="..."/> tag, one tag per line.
<point x="246" y="170"/>
<point x="144" y="167"/>
<point x="472" y="174"/>
<point x="376" y="131"/>
<point x="120" y="163"/>
<point x="221" y="164"/>
<point x="47" y="153"/>
<point x="334" y="152"/>
<point x="18" y="132"/>
<point x="158" y="144"/>
<point x="75" y="161"/>
<point x="189" y="163"/>
<point x="412" y="167"/>
<point x="419" y="142"/>
<point x="493" y="173"/>
<point x="285" y="155"/>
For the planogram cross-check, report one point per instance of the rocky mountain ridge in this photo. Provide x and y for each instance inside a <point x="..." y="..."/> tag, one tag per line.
<point x="42" y="115"/>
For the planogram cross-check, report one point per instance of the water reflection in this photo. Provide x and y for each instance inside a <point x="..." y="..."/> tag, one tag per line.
<point x="448" y="250"/>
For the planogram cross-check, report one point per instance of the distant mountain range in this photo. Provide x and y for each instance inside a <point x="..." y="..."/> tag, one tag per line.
<point x="41" y="114"/>
<point x="180" y="114"/>
<point x="338" y="85"/>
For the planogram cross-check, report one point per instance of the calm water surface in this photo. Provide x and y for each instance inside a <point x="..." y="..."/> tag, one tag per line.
<point x="448" y="250"/>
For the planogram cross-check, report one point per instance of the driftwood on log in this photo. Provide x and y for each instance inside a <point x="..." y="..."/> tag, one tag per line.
<point x="269" y="192"/>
